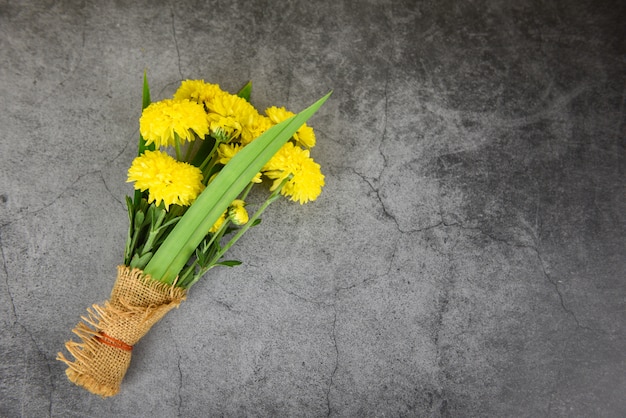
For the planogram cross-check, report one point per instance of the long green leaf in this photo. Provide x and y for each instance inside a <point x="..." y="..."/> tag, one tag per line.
<point x="145" y="102"/>
<point x="181" y="243"/>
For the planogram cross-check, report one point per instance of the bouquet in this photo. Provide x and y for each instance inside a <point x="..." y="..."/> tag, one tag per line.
<point x="200" y="154"/>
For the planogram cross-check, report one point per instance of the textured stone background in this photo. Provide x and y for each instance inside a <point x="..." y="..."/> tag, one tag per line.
<point x="466" y="257"/>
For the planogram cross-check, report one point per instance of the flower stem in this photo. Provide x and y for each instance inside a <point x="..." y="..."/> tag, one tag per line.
<point x="245" y="192"/>
<point x="275" y="195"/>
<point x="209" y="156"/>
<point x="216" y="237"/>
<point x="190" y="148"/>
<point x="177" y="147"/>
<point x="222" y="250"/>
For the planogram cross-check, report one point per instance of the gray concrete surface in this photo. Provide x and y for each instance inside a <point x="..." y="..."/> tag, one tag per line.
<point x="466" y="258"/>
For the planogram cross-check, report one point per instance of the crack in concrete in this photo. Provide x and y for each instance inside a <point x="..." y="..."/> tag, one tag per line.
<point x="180" y="375"/>
<point x="460" y="225"/>
<point x="227" y="306"/>
<point x="391" y="216"/>
<point x="180" y="385"/>
<point x="555" y="284"/>
<point x="333" y="335"/>
<point x="383" y="138"/>
<point x="5" y="268"/>
<point x="106" y="187"/>
<point x="542" y="265"/>
<point x="314" y="302"/>
<point x="180" y="72"/>
<point x="70" y="187"/>
<point x="54" y="199"/>
<point x="544" y="271"/>
<point x="36" y="211"/>
<point x="444" y="297"/>
<point x="78" y="178"/>
<point x="376" y="192"/>
<point x="332" y="375"/>
<point x="17" y="322"/>
<point x="70" y="74"/>
<point x="622" y="113"/>
<point x="442" y="309"/>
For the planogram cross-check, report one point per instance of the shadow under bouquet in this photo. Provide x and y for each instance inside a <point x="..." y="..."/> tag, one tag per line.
<point x="199" y="156"/>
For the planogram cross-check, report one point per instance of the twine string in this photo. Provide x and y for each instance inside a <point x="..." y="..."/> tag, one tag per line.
<point x="112" y="342"/>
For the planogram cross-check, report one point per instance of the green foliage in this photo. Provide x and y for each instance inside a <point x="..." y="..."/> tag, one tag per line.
<point x="245" y="91"/>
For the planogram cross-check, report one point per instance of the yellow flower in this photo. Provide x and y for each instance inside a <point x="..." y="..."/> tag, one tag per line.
<point x="259" y="125"/>
<point x="162" y="121"/>
<point x="306" y="180"/>
<point x="237" y="212"/>
<point x="167" y="180"/>
<point x="305" y="136"/>
<point x="232" y="115"/>
<point x="218" y="224"/>
<point x="224" y="128"/>
<point x="257" y="178"/>
<point x="197" y="91"/>
<point x="227" y="151"/>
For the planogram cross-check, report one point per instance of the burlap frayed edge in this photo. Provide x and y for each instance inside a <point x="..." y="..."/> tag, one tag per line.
<point x="175" y="293"/>
<point x="79" y="371"/>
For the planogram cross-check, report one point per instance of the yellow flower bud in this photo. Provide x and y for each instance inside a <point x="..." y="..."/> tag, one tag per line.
<point x="237" y="212"/>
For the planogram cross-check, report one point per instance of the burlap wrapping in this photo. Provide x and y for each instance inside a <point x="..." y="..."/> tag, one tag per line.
<point x="108" y="332"/>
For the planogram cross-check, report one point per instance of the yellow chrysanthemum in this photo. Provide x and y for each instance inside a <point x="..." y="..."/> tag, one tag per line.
<point x="227" y="151"/>
<point x="162" y="121"/>
<point x="233" y="115"/>
<point x="218" y="224"/>
<point x="257" y="178"/>
<point x="305" y="136"/>
<point x="167" y="180"/>
<point x="225" y="128"/>
<point x="237" y="212"/>
<point x="306" y="180"/>
<point x="197" y="91"/>
<point x="259" y="125"/>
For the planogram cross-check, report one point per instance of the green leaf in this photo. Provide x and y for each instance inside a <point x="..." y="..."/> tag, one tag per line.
<point x="131" y="208"/>
<point x="139" y="217"/>
<point x="140" y="262"/>
<point x="187" y="274"/>
<point x="228" y="263"/>
<point x="145" y="102"/>
<point x="131" y="229"/>
<point x="157" y="219"/>
<point x="182" y="241"/>
<point x="169" y="223"/>
<point x="205" y="149"/>
<point x="245" y="91"/>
